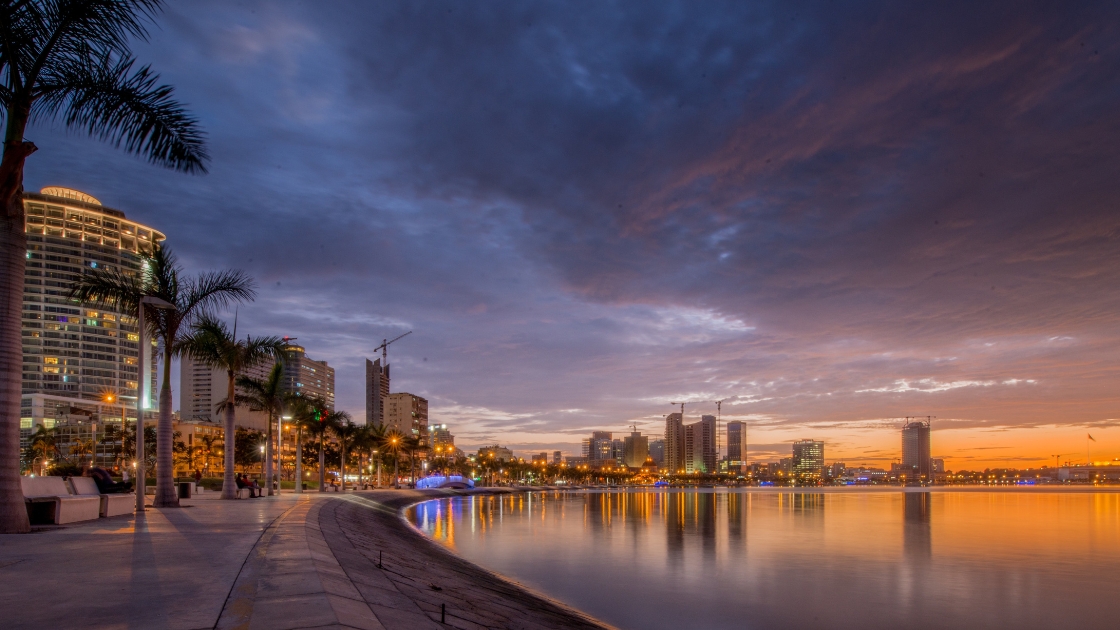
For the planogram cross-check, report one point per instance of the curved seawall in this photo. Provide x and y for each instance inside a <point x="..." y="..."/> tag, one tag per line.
<point x="352" y="560"/>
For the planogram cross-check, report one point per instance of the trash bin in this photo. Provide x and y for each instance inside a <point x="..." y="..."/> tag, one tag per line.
<point x="185" y="488"/>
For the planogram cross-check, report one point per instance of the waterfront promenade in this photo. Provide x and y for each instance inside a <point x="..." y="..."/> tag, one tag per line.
<point x="276" y="563"/>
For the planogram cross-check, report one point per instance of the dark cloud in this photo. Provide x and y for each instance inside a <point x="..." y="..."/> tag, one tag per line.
<point x="830" y="214"/>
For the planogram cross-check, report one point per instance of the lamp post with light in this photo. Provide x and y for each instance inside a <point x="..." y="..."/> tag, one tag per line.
<point x="280" y="452"/>
<point x="378" y="454"/>
<point x="141" y="474"/>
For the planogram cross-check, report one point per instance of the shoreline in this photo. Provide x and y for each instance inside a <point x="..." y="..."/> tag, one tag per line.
<point x="354" y="560"/>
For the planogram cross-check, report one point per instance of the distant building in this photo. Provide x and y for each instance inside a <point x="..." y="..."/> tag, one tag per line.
<point x="808" y="460"/>
<point x="557" y="457"/>
<point x="635" y="450"/>
<point x="674" y="443"/>
<point x="599" y="447"/>
<point x="736" y="445"/>
<point x="784" y="466"/>
<point x="618" y="451"/>
<point x="441" y="435"/>
<point x="377" y="390"/>
<point x="938" y="466"/>
<point x="916" y="452"/>
<point x="657" y="452"/>
<point x="495" y="453"/>
<point x="306" y="377"/>
<point x="407" y="414"/>
<point x="700" y="446"/>
<point x="837" y="470"/>
<point x="541" y="458"/>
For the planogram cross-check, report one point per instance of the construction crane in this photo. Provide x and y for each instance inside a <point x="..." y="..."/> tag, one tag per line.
<point x="1056" y="457"/>
<point x="682" y="409"/>
<point x="384" y="348"/>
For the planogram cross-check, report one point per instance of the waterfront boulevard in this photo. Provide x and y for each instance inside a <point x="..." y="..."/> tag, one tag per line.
<point x="293" y="561"/>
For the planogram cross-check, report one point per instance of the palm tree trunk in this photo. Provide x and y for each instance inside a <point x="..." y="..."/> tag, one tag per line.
<point x="322" y="463"/>
<point x="268" y="457"/>
<point x="229" y="486"/>
<point x="343" y="465"/>
<point x="165" y="470"/>
<point x="396" y="472"/>
<point x="299" y="459"/>
<point x="13" y="262"/>
<point x="361" y="455"/>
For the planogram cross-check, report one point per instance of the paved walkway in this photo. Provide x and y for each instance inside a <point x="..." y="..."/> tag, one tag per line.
<point x="281" y="562"/>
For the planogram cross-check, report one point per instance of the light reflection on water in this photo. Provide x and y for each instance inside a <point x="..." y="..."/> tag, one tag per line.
<point x="764" y="559"/>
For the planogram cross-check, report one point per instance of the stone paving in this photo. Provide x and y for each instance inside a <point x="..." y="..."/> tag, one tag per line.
<point x="281" y="562"/>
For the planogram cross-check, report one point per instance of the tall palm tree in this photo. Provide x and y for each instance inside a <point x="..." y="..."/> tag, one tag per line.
<point x="80" y="448"/>
<point x="317" y="427"/>
<point x="303" y="414"/>
<point x="346" y="431"/>
<point x="210" y="443"/>
<point x="44" y="445"/>
<point x="212" y="344"/>
<point x="394" y="442"/>
<point x="270" y="396"/>
<point x="161" y="276"/>
<point x="70" y="62"/>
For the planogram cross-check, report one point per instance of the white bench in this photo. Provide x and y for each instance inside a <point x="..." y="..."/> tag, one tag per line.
<point x="111" y="504"/>
<point x="67" y="507"/>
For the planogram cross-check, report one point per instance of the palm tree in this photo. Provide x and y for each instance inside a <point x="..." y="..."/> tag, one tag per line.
<point x="212" y="344"/>
<point x="303" y="412"/>
<point x="43" y="444"/>
<point x="81" y="448"/>
<point x="413" y="445"/>
<point x="394" y="442"/>
<point x="206" y="448"/>
<point x="70" y="62"/>
<point x="346" y="431"/>
<point x="162" y="277"/>
<point x="270" y="396"/>
<point x="316" y="426"/>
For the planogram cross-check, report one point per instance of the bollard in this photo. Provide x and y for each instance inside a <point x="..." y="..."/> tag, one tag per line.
<point x="443" y="613"/>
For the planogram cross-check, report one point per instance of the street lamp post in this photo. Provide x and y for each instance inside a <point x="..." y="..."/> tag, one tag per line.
<point x="279" y="451"/>
<point x="141" y="474"/>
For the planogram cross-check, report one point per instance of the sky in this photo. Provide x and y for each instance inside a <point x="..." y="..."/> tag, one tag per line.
<point x="828" y="215"/>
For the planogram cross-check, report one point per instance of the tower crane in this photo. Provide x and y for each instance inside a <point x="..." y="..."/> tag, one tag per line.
<point x="682" y="409"/>
<point x="384" y="347"/>
<point x="1056" y="457"/>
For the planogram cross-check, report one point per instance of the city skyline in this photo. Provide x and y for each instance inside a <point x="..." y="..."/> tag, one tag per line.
<point x="827" y="241"/>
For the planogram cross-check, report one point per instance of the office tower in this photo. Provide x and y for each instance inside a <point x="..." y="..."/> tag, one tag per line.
<point x="407" y="414"/>
<point x="618" y="450"/>
<point x="599" y="447"/>
<point x="441" y="435"/>
<point x="556" y="457"/>
<point x="700" y="446"/>
<point x="635" y="450"/>
<point x="808" y="460"/>
<point x="916" y="450"/>
<point x="377" y="389"/>
<point x="306" y="377"/>
<point x="657" y="452"/>
<point x="494" y="454"/>
<point x="737" y="445"/>
<point x="674" y="443"/>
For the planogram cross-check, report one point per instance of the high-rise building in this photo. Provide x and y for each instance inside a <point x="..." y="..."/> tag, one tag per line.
<point x="674" y="443"/>
<point x="557" y="457"/>
<point x="599" y="447"/>
<point x="306" y="377"/>
<point x="377" y="390"/>
<point x="700" y="446"/>
<point x="657" y="452"/>
<point x="407" y="414"/>
<point x="808" y="460"/>
<point x="635" y="450"/>
<point x="737" y="445"/>
<point x="202" y="388"/>
<point x="916" y="451"/>
<point x="441" y="435"/>
<point x="494" y="453"/>
<point x="73" y="352"/>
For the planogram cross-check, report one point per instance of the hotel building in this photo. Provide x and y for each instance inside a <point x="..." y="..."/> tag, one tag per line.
<point x="79" y="362"/>
<point x="408" y="415"/>
<point x="807" y="463"/>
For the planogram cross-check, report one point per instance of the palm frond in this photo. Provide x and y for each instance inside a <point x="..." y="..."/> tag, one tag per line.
<point x="101" y="93"/>
<point x="214" y="290"/>
<point x="108" y="288"/>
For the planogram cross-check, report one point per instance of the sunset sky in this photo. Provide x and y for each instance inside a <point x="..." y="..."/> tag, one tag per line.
<point x="831" y="215"/>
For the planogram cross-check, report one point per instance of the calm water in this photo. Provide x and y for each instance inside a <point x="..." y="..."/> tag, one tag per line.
<point x="765" y="559"/>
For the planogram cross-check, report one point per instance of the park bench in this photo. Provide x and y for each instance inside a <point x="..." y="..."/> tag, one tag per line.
<point x="62" y="507"/>
<point x="111" y="504"/>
